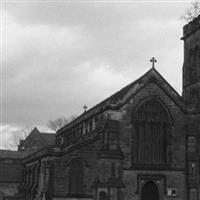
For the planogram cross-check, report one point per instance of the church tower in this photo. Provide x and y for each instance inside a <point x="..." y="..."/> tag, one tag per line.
<point x="191" y="66"/>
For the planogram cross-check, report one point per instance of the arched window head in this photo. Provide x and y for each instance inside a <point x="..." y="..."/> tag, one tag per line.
<point x="152" y="126"/>
<point x="76" y="175"/>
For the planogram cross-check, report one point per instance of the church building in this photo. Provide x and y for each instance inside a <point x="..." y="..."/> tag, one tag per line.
<point x="141" y="143"/>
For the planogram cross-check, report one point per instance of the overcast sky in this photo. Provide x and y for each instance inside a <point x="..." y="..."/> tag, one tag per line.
<point x="58" y="56"/>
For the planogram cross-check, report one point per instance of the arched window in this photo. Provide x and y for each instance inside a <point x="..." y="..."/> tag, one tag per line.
<point x="152" y="129"/>
<point x="76" y="172"/>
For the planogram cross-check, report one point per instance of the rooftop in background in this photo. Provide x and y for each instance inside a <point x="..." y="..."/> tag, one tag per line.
<point x="36" y="140"/>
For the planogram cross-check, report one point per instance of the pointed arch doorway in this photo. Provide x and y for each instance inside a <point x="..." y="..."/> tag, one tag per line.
<point x="150" y="191"/>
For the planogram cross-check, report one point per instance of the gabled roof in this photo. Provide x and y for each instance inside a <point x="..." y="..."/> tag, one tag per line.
<point x="44" y="139"/>
<point x="121" y="97"/>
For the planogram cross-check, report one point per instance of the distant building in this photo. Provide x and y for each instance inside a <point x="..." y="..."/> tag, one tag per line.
<point x="142" y="143"/>
<point x="11" y="162"/>
<point x="36" y="140"/>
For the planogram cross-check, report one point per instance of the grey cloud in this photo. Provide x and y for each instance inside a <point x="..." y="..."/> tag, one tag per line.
<point x="91" y="13"/>
<point x="53" y="54"/>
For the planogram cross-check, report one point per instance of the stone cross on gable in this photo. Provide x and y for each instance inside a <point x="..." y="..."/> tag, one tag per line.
<point x="85" y="108"/>
<point x="153" y="61"/>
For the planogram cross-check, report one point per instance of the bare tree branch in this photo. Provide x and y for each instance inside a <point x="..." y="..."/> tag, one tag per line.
<point x="192" y="12"/>
<point x="59" y="123"/>
<point x="18" y="135"/>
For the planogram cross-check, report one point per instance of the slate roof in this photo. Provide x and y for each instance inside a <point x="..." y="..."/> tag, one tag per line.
<point x="121" y="97"/>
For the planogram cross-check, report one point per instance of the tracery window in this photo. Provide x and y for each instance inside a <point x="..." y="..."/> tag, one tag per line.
<point x="152" y="129"/>
<point x="76" y="175"/>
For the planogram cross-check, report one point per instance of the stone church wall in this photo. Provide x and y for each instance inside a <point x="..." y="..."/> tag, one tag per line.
<point x="168" y="179"/>
<point x="174" y="176"/>
<point x="9" y="189"/>
<point x="192" y="43"/>
<point x="191" y="69"/>
<point x="87" y="153"/>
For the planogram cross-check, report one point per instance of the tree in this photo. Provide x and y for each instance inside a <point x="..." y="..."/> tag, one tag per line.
<point x="18" y="135"/>
<point x="59" y="123"/>
<point x="192" y="12"/>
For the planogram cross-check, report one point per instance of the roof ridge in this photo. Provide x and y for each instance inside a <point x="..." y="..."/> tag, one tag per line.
<point x="118" y="93"/>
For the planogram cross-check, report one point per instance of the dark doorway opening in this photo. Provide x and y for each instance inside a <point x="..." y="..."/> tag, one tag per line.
<point x="103" y="195"/>
<point x="150" y="191"/>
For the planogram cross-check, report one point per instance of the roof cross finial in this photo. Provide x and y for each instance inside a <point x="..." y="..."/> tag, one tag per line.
<point x="85" y="108"/>
<point x="153" y="61"/>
